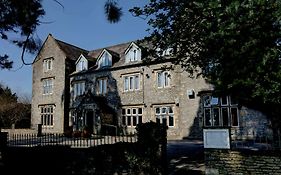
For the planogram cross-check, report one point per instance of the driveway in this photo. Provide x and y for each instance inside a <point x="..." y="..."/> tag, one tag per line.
<point x="185" y="157"/>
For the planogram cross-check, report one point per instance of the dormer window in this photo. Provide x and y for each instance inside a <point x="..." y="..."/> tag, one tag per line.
<point x="105" y="59"/>
<point x="133" y="53"/>
<point x="81" y="64"/>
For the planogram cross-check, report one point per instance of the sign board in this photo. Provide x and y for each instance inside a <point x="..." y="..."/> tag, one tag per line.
<point x="216" y="138"/>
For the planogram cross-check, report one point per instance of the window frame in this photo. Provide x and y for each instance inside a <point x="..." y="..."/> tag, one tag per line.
<point x="130" y="118"/>
<point x="105" y="60"/>
<point x="47" y="115"/>
<point x="165" y="115"/>
<point x="165" y="79"/>
<point x="79" y="88"/>
<point x="48" y="64"/>
<point x="48" y="86"/>
<point x="220" y="106"/>
<point x="102" y="86"/>
<point x="133" y="54"/>
<point x="129" y="86"/>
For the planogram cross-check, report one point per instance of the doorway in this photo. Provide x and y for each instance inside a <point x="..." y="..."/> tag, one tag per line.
<point x="90" y="120"/>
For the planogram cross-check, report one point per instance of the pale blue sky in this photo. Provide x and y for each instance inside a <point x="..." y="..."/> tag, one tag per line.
<point x="81" y="23"/>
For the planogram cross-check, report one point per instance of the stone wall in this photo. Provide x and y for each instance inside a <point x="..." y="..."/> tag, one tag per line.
<point x="242" y="162"/>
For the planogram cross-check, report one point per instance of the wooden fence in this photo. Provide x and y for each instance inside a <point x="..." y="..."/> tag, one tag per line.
<point x="31" y="140"/>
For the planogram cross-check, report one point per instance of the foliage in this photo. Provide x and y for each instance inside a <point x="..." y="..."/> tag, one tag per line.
<point x="112" y="11"/>
<point x="234" y="44"/>
<point x="19" y="18"/>
<point x="12" y="111"/>
<point x="151" y="149"/>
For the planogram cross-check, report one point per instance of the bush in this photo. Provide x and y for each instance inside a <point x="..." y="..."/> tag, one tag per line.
<point x="68" y="132"/>
<point x="151" y="134"/>
<point x="150" y="157"/>
<point x="76" y="134"/>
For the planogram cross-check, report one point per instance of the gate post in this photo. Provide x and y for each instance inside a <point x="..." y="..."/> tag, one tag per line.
<point x="39" y="130"/>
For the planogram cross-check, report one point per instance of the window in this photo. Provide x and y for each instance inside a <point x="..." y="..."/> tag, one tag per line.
<point x="131" y="116"/>
<point x="47" y="115"/>
<point x="81" y="65"/>
<point x="105" y="60"/>
<point x="48" y="86"/>
<point x="101" y="86"/>
<point x="131" y="83"/>
<point x="78" y="89"/>
<point x="163" y="79"/>
<point x="220" y="111"/>
<point x="165" y="115"/>
<point x="47" y="64"/>
<point x="134" y="54"/>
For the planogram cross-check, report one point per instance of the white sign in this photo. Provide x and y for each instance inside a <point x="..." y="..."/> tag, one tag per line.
<point x="216" y="138"/>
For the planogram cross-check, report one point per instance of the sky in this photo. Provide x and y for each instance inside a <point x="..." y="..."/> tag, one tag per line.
<point x="81" y="23"/>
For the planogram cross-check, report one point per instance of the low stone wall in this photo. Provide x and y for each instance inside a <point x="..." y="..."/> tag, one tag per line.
<point x="242" y="162"/>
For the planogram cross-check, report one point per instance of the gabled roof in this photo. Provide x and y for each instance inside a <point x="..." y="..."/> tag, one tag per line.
<point x="129" y="47"/>
<point x="112" y="53"/>
<point x="88" y="58"/>
<point x="116" y="51"/>
<point x="72" y="52"/>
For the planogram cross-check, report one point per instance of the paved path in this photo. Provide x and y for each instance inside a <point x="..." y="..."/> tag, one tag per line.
<point x="185" y="157"/>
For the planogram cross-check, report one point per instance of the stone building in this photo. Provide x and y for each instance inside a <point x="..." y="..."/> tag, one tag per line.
<point x="50" y="84"/>
<point x="112" y="90"/>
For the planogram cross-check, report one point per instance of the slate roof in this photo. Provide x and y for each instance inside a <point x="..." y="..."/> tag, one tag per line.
<point x="72" y="52"/>
<point x="117" y="51"/>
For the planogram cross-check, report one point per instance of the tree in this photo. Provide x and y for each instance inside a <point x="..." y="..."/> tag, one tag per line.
<point x="19" y="17"/>
<point x="22" y="17"/>
<point x="12" y="111"/>
<point x="234" y="44"/>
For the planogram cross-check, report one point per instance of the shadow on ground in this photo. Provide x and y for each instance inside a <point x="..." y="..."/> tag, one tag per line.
<point x="185" y="157"/>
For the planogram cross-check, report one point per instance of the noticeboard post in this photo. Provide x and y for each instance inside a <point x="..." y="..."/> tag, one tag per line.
<point x="218" y="138"/>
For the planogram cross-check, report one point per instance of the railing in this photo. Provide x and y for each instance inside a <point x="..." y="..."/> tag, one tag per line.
<point x="31" y="140"/>
<point x="256" y="142"/>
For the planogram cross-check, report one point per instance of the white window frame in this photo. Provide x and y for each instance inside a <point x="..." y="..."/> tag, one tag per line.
<point x="78" y="88"/>
<point x="48" y="64"/>
<point x="128" y="116"/>
<point x="161" y="115"/>
<point x="81" y="65"/>
<point x="105" y="60"/>
<point x="102" y="85"/>
<point x="47" y="115"/>
<point x="48" y="86"/>
<point x="133" y="54"/>
<point x="163" y="79"/>
<point x="133" y="85"/>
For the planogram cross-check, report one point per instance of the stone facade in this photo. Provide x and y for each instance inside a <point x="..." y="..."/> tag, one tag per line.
<point x="58" y="97"/>
<point x="149" y="96"/>
<point x="77" y="106"/>
<point x="242" y="162"/>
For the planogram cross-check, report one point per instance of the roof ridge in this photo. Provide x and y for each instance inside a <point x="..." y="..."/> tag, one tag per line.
<point x="108" y="47"/>
<point x="70" y="45"/>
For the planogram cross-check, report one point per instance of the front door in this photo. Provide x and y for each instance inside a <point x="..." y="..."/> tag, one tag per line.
<point x="90" y="120"/>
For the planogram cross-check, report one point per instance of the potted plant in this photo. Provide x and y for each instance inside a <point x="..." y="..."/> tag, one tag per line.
<point x="86" y="133"/>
